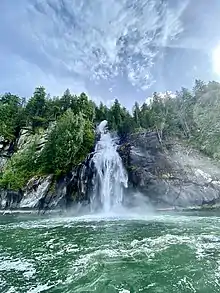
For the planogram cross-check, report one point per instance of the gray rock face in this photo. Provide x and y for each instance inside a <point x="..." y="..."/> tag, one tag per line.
<point x="5" y="152"/>
<point x="46" y="193"/>
<point x="171" y="174"/>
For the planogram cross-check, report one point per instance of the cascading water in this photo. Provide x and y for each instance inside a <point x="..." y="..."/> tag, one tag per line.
<point x="111" y="178"/>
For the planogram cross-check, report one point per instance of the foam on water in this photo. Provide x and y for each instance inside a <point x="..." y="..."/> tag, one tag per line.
<point x="107" y="218"/>
<point x="19" y="265"/>
<point x="86" y="254"/>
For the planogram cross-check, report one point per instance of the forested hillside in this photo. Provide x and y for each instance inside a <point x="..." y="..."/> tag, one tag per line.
<point x="68" y="123"/>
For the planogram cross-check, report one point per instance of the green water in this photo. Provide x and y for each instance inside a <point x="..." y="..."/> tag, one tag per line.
<point x="157" y="253"/>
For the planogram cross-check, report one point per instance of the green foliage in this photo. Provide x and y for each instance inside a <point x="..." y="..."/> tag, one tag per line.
<point x="69" y="122"/>
<point x="70" y="141"/>
<point x="20" y="168"/>
<point x="11" y="115"/>
<point x="84" y="106"/>
<point x="207" y="119"/>
<point x="137" y="114"/>
<point x="127" y="126"/>
<point x="118" y="117"/>
<point x="190" y="115"/>
<point x="101" y="113"/>
<point x="37" y="109"/>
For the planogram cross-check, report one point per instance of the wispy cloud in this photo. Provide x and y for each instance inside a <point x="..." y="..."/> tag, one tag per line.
<point x="96" y="40"/>
<point x="73" y="43"/>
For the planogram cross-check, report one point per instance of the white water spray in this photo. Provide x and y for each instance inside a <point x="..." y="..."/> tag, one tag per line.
<point x="111" y="178"/>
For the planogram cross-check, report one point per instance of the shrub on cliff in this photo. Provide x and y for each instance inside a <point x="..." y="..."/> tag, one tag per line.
<point x="69" y="142"/>
<point x="20" y="168"/>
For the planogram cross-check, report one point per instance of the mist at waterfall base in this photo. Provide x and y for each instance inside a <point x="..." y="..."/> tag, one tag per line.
<point x="110" y="195"/>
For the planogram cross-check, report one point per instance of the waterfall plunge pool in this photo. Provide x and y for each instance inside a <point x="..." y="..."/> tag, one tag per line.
<point x="164" y="252"/>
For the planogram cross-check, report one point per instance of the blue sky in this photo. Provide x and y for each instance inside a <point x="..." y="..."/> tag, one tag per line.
<point x="116" y="48"/>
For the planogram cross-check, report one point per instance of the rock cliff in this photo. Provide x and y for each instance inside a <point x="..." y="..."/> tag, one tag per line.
<point x="170" y="174"/>
<point x="45" y="192"/>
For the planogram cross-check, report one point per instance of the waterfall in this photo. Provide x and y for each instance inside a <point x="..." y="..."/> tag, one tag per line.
<point x="110" y="178"/>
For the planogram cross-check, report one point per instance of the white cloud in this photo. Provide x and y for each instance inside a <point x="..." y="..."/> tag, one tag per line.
<point x="32" y="76"/>
<point x="70" y="43"/>
<point x="100" y="39"/>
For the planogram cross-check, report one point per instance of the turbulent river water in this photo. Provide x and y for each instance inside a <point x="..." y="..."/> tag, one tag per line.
<point x="155" y="253"/>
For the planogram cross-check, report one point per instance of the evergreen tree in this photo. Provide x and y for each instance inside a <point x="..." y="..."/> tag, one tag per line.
<point x="12" y="116"/>
<point x="192" y="116"/>
<point x="37" y="108"/>
<point x="101" y="113"/>
<point x="70" y="140"/>
<point x="136" y="114"/>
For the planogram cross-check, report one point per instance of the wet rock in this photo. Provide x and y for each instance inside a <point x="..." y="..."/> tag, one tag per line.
<point x="24" y="137"/>
<point x="47" y="193"/>
<point x="36" y="189"/>
<point x="171" y="173"/>
<point x="10" y="199"/>
<point x="6" y="151"/>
